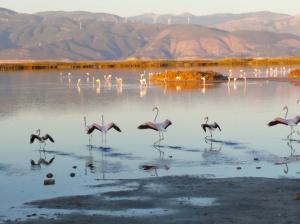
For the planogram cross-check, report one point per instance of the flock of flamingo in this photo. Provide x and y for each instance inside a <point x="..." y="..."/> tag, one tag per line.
<point x="144" y="83"/>
<point x="161" y="127"/>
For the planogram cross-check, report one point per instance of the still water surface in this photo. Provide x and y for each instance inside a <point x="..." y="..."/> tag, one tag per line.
<point x="48" y="101"/>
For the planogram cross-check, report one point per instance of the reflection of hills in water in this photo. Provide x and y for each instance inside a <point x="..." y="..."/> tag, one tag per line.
<point x="185" y="86"/>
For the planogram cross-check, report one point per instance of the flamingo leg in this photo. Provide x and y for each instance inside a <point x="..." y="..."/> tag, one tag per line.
<point x="292" y="132"/>
<point x="44" y="146"/>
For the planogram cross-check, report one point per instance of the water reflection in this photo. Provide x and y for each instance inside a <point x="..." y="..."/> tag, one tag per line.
<point x="159" y="164"/>
<point x="213" y="145"/>
<point x="292" y="157"/>
<point x="143" y="90"/>
<point x="42" y="160"/>
<point x="185" y="86"/>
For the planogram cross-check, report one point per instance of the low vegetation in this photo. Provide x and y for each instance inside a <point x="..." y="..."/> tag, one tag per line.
<point x="186" y="76"/>
<point x="295" y="73"/>
<point x="62" y="65"/>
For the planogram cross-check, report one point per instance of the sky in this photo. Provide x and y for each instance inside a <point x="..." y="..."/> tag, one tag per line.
<point x="136" y="7"/>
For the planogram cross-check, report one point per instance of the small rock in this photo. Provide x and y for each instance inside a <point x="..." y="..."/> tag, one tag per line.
<point x="49" y="182"/>
<point x="49" y="175"/>
<point x="170" y="157"/>
<point x="258" y="167"/>
<point x="239" y="168"/>
<point x="296" y="196"/>
<point x="256" y="159"/>
<point x="72" y="174"/>
<point x="74" y="167"/>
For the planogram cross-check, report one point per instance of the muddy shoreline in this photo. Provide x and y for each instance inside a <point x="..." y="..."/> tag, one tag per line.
<point x="180" y="199"/>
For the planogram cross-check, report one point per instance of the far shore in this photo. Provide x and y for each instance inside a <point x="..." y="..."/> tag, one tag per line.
<point x="11" y="65"/>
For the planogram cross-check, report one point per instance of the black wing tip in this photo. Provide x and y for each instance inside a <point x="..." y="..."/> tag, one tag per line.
<point x="272" y="123"/>
<point x="142" y="126"/>
<point x="50" y="138"/>
<point x="31" y="139"/>
<point x="203" y="127"/>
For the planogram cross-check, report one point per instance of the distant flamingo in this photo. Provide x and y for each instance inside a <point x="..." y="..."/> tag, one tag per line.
<point x="119" y="81"/>
<point x="210" y="127"/>
<point x="143" y="81"/>
<point x="41" y="139"/>
<point x="107" y="78"/>
<point x="160" y="127"/>
<point x="103" y="128"/>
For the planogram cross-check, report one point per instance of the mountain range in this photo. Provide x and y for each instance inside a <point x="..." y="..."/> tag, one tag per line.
<point x="59" y="35"/>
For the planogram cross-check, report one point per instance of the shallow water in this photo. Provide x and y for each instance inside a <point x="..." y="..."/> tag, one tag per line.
<point x="48" y="101"/>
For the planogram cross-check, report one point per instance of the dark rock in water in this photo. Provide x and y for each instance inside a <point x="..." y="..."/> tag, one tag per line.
<point x="256" y="159"/>
<point x="148" y="167"/>
<point x="72" y="174"/>
<point x="74" y="167"/>
<point x="31" y="215"/>
<point x="49" y="175"/>
<point x="49" y="182"/>
<point x="258" y="167"/>
<point x="170" y="157"/>
<point x="239" y="168"/>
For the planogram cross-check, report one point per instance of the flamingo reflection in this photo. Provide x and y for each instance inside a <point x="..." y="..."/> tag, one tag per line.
<point x="289" y="159"/>
<point x="41" y="161"/>
<point x="158" y="164"/>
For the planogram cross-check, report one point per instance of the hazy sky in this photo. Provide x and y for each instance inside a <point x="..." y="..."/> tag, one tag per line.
<point x="135" y="7"/>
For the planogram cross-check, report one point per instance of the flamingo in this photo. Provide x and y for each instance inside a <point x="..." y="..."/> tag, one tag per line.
<point x="119" y="81"/>
<point x="210" y="127"/>
<point x="102" y="128"/>
<point x="41" y="139"/>
<point x="292" y="122"/>
<point x="143" y="81"/>
<point x="107" y="78"/>
<point x="178" y="78"/>
<point x="161" y="127"/>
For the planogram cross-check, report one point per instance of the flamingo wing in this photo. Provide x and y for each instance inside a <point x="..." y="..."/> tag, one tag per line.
<point x="296" y="119"/>
<point x="92" y="127"/>
<point x="47" y="136"/>
<point x="114" y="126"/>
<point x="217" y="126"/>
<point x="278" y="120"/>
<point x="148" y="125"/>
<point x="204" y="126"/>
<point x="166" y="124"/>
<point x="33" y="137"/>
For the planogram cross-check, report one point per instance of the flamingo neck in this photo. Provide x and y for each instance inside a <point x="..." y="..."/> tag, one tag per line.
<point x="156" y="114"/>
<point x="206" y="120"/>
<point x="286" y="111"/>
<point x="84" y="119"/>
